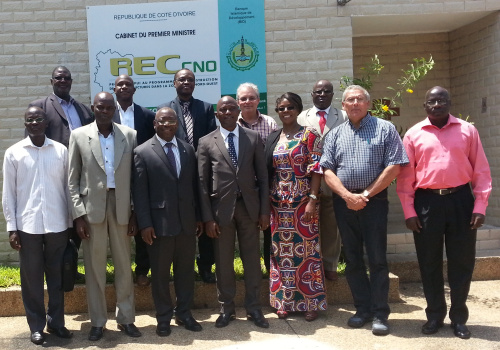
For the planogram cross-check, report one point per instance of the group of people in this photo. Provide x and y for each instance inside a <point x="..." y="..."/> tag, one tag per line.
<point x="119" y="170"/>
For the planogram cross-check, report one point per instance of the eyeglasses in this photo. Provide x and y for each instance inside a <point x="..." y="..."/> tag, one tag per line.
<point x="289" y="108"/>
<point x="245" y="99"/>
<point x="183" y="80"/>
<point x="33" y="120"/>
<point x="321" y="92"/>
<point x="224" y="110"/>
<point x="438" y="101"/>
<point x="166" y="122"/>
<point x="62" y="78"/>
<point x="352" y="100"/>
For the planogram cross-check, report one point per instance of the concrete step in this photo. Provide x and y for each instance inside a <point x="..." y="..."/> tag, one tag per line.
<point x="205" y="296"/>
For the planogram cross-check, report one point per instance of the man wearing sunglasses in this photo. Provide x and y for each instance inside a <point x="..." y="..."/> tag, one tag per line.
<point x="323" y="117"/>
<point x="64" y="113"/>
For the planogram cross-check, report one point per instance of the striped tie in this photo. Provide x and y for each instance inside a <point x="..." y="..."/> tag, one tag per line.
<point x="188" y="121"/>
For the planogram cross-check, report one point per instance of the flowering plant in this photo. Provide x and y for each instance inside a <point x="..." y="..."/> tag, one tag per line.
<point x="387" y="106"/>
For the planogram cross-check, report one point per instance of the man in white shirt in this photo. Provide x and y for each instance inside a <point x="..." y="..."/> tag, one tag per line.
<point x="141" y="120"/>
<point x="323" y="117"/>
<point x="35" y="203"/>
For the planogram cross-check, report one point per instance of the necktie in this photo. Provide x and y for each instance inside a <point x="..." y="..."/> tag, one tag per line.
<point x="322" y="120"/>
<point x="232" y="150"/>
<point x="188" y="121"/>
<point x="171" y="157"/>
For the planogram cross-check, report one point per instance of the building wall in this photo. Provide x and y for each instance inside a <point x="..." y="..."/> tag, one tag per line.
<point x="475" y="74"/>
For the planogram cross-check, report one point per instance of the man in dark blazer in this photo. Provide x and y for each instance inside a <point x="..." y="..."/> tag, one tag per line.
<point x="196" y="119"/>
<point x="166" y="204"/>
<point x="64" y="113"/>
<point x="234" y="197"/>
<point x="141" y="120"/>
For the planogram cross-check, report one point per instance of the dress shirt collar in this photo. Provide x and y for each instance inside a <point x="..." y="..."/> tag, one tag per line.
<point x="28" y="143"/>
<point x="112" y="130"/>
<point x="316" y="110"/>
<point x="451" y="120"/>
<point x="225" y="132"/>
<point x="244" y="122"/>
<point x="61" y="101"/>
<point x="119" y="107"/>
<point x="163" y="142"/>
<point x="366" y="119"/>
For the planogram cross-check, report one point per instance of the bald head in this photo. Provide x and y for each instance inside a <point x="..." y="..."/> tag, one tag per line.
<point x="322" y="94"/>
<point x="227" y="112"/>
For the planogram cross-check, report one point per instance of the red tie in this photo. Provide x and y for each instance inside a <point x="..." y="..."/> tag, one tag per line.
<point x="322" y="120"/>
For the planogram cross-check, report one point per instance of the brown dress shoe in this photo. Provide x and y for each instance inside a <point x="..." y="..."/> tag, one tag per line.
<point x="331" y="275"/>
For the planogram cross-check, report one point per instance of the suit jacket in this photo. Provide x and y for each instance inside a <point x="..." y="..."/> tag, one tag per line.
<point x="203" y="118"/>
<point x="220" y="181"/>
<point x="58" y="127"/>
<point x="87" y="177"/>
<point x="161" y="200"/>
<point x="143" y="122"/>
<point x="309" y="118"/>
<point x="271" y="142"/>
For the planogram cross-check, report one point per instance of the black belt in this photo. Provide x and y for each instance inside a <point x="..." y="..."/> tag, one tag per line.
<point x="443" y="191"/>
<point x="357" y="191"/>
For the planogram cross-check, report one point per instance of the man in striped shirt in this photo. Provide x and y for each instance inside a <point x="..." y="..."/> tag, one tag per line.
<point x="35" y="203"/>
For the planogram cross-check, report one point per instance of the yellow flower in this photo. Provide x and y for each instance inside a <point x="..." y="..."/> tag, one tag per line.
<point x="385" y="108"/>
<point x="410" y="91"/>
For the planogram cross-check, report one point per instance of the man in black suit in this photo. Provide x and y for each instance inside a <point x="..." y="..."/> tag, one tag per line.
<point x="64" y="113"/>
<point x="140" y="119"/>
<point x="166" y="205"/>
<point x="234" y="197"/>
<point x="196" y="119"/>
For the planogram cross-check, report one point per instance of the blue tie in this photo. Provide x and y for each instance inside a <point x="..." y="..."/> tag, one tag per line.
<point x="232" y="150"/>
<point x="171" y="157"/>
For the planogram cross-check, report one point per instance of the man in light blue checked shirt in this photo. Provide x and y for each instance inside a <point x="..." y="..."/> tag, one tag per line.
<point x="361" y="157"/>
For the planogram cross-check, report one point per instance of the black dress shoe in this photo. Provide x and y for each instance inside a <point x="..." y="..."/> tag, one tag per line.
<point x="189" y="323"/>
<point x="207" y="276"/>
<point x="431" y="326"/>
<point x="258" y="319"/>
<point x="37" y="337"/>
<point x="130" y="330"/>
<point x="359" y="320"/>
<point x="224" y="319"/>
<point x="460" y="330"/>
<point x="96" y="333"/>
<point x="62" y="332"/>
<point x="163" y="329"/>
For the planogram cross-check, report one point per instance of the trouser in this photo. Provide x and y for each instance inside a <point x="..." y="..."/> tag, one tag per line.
<point x="39" y="254"/>
<point x="177" y="250"/>
<point x="248" y="239"/>
<point x="446" y="221"/>
<point x="366" y="227"/>
<point x="95" y="260"/>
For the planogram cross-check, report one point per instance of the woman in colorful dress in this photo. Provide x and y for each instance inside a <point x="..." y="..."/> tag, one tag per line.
<point x="296" y="279"/>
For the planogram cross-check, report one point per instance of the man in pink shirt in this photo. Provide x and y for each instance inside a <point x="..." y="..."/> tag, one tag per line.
<point x="444" y="191"/>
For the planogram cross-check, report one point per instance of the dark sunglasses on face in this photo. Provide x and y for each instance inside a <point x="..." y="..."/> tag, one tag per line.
<point x="289" y="108"/>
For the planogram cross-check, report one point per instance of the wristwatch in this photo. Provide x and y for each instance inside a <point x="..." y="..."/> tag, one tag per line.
<point x="310" y="195"/>
<point x="366" y="194"/>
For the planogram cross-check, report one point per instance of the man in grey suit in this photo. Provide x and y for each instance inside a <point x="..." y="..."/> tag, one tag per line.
<point x="234" y="197"/>
<point x="323" y="117"/>
<point x="64" y="113"/>
<point x="100" y="174"/>
<point x="196" y="119"/>
<point x="141" y="120"/>
<point x="166" y="204"/>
